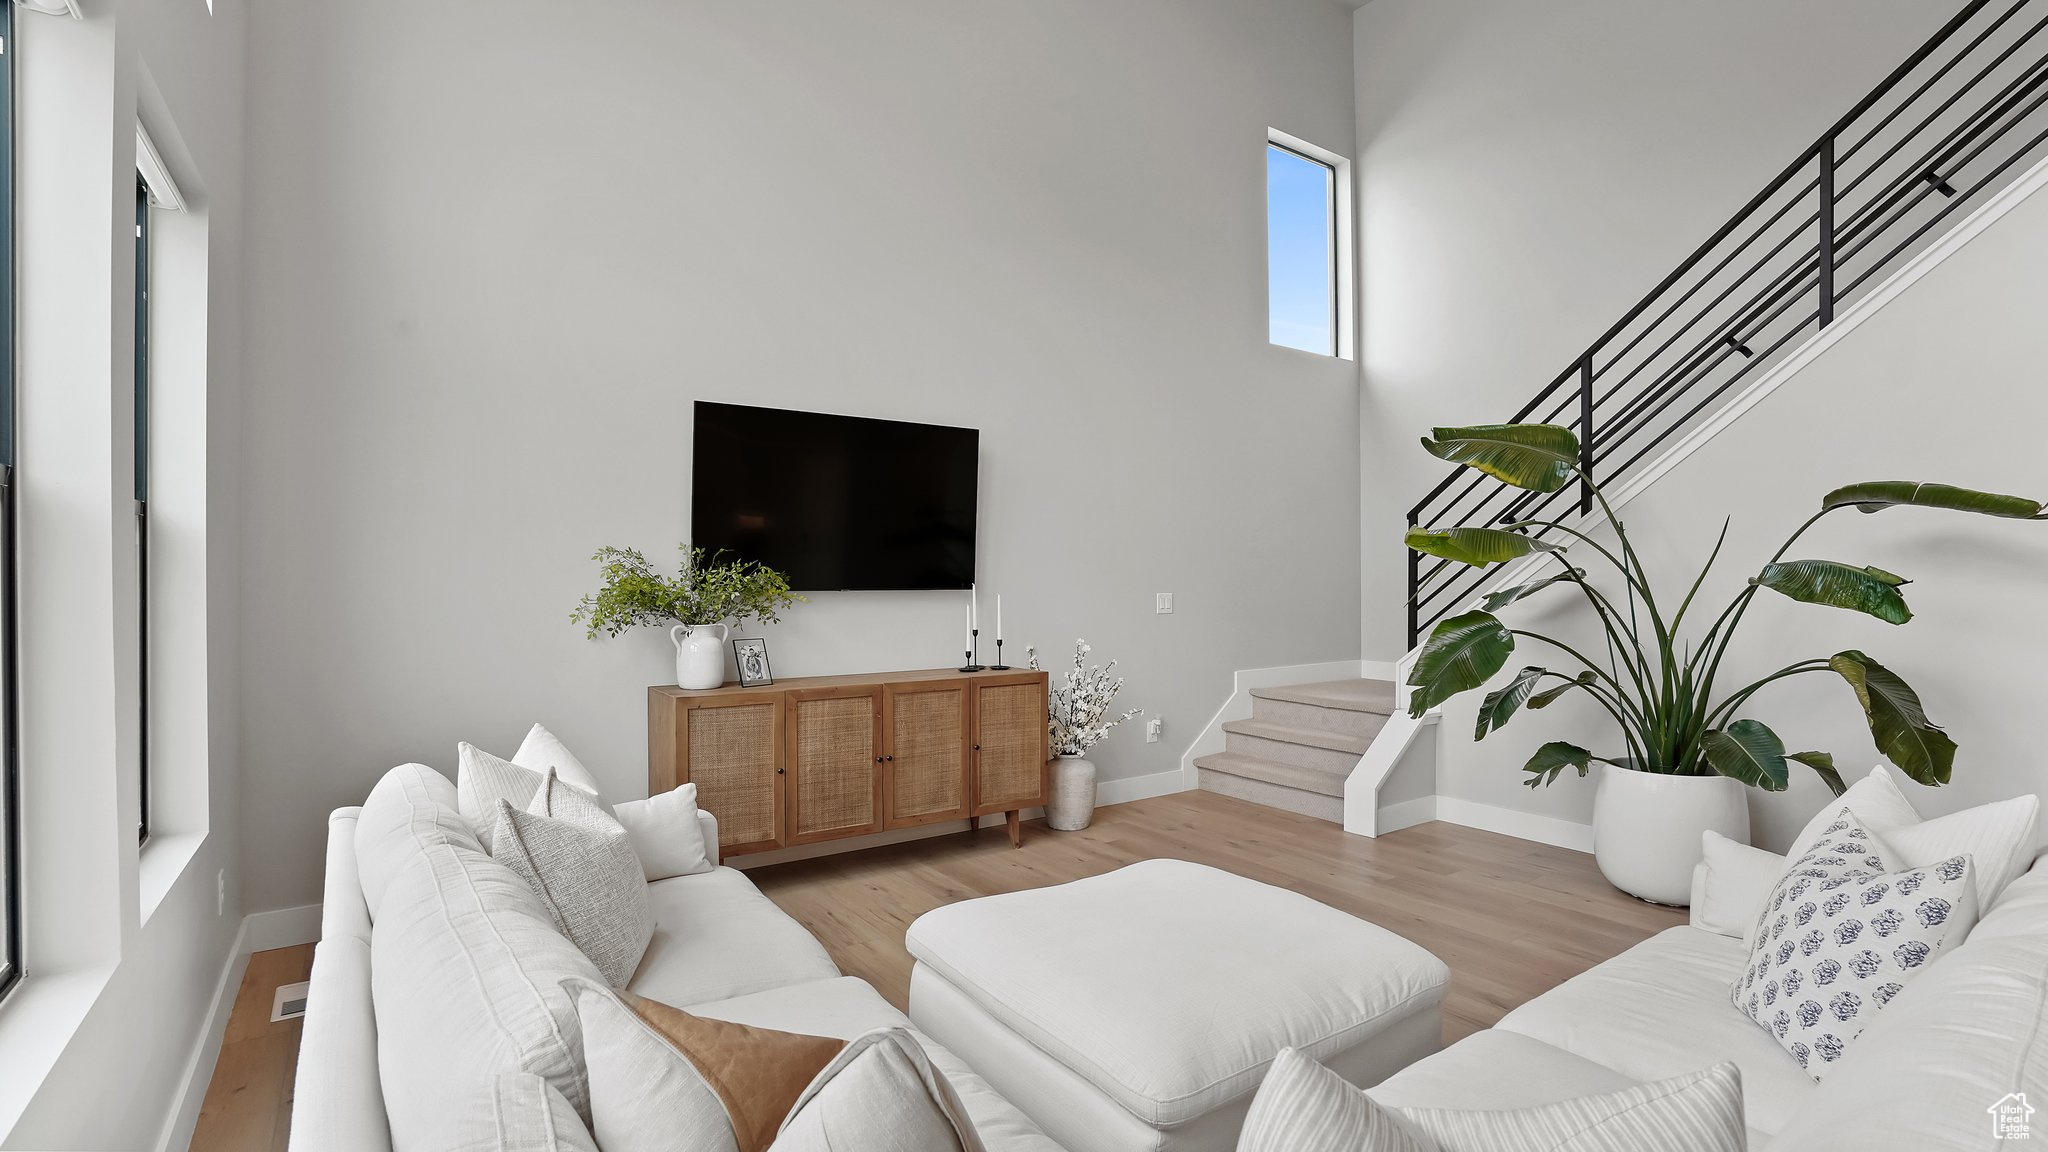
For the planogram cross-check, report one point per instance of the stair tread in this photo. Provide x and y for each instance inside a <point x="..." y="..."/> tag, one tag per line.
<point x="1285" y="775"/>
<point x="1342" y="695"/>
<point x="1293" y="734"/>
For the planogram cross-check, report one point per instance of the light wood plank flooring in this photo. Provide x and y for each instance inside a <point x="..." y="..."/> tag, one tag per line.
<point x="1511" y="918"/>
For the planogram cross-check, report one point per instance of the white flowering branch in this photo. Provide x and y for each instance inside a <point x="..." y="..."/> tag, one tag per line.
<point x="1079" y="703"/>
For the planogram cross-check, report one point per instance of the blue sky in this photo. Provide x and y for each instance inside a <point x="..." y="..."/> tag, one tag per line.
<point x="1298" y="273"/>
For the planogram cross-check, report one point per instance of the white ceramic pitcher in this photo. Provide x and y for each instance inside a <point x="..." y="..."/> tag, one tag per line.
<point x="700" y="655"/>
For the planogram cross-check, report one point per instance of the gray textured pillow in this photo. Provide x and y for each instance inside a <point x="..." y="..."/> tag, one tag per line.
<point x="585" y="874"/>
<point x="1304" y="1107"/>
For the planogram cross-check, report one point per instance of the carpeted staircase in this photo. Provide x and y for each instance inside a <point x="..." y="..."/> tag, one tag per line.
<point x="1301" y="743"/>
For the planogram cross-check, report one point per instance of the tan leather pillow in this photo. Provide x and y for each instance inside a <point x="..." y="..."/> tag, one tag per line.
<point x="661" y="1078"/>
<point x="758" y="1073"/>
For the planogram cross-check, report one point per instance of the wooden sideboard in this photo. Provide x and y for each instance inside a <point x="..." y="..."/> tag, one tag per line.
<point x="827" y="757"/>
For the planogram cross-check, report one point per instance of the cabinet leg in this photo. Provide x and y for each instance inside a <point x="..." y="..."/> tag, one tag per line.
<point x="1016" y="822"/>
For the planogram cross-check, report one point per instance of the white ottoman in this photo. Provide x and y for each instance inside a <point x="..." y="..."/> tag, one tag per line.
<point x="1140" y="1009"/>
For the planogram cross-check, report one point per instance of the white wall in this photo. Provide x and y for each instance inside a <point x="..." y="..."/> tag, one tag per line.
<point x="124" y="947"/>
<point x="1529" y="171"/>
<point x="1941" y="385"/>
<point x="497" y="250"/>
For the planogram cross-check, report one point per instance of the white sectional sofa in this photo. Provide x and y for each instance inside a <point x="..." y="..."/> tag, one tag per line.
<point x="1920" y="1079"/>
<point x="436" y="970"/>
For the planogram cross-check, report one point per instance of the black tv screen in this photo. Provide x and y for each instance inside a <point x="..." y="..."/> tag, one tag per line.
<point x="836" y="502"/>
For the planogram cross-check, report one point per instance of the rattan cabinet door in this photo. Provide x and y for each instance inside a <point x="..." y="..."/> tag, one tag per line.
<point x="924" y="753"/>
<point x="1009" y="743"/>
<point x="731" y="748"/>
<point x="835" y="763"/>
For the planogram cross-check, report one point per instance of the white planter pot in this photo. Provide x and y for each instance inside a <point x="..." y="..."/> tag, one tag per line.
<point x="700" y="654"/>
<point x="1647" y="826"/>
<point x="1072" y="803"/>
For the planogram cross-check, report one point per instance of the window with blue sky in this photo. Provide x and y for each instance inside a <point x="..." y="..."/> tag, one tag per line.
<point x="1301" y="245"/>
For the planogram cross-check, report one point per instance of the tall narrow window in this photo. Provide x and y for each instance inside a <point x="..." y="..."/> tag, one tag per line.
<point x="1308" y="247"/>
<point x="10" y="748"/>
<point x="142" y="491"/>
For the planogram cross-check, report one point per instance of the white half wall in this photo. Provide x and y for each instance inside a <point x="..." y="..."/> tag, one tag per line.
<point x="497" y="250"/>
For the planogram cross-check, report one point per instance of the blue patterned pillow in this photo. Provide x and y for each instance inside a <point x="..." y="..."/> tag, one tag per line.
<point x="1840" y="936"/>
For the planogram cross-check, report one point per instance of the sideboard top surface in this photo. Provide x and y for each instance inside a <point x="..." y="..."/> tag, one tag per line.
<point x="863" y="680"/>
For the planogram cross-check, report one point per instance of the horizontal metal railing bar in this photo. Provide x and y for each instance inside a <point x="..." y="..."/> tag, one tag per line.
<point x="1732" y="327"/>
<point x="1707" y="279"/>
<point x="1790" y="294"/>
<point x="1950" y="206"/>
<point x="1796" y="331"/>
<point x="1804" y="229"/>
<point x="1943" y="155"/>
<point x="1949" y="203"/>
<point x="1945" y="105"/>
<point x="1843" y="154"/>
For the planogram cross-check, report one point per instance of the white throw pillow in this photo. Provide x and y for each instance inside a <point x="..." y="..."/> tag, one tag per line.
<point x="586" y="876"/>
<point x="1304" y="1107"/>
<point x="881" y="1094"/>
<point x="531" y="1116"/>
<point x="481" y="780"/>
<point x="542" y="750"/>
<point x="1998" y="837"/>
<point x="1841" y="936"/>
<point x="1737" y="881"/>
<point x="666" y="834"/>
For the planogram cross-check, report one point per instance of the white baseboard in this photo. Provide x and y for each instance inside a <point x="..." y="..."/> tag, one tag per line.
<point x="1407" y="814"/>
<point x="281" y="928"/>
<point x="1510" y="822"/>
<point x="184" y="1117"/>
<point x="1139" y="788"/>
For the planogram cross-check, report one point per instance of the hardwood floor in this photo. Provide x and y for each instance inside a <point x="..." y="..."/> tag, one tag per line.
<point x="1511" y="918"/>
<point x="248" y="1105"/>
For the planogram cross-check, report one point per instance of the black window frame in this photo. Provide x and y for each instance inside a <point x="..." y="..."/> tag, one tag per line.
<point x="11" y="963"/>
<point x="142" y="457"/>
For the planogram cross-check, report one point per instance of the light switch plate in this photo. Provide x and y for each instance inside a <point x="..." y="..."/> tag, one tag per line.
<point x="1152" y="728"/>
<point x="1162" y="603"/>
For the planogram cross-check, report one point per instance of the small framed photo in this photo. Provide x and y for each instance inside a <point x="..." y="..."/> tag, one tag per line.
<point x="752" y="656"/>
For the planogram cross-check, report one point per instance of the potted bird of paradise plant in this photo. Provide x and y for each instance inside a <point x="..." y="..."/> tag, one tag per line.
<point x="1688" y="743"/>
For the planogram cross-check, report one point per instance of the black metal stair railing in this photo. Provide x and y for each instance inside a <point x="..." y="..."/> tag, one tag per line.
<point x="1932" y="142"/>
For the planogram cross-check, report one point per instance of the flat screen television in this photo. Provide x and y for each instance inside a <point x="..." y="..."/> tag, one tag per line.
<point x="836" y="502"/>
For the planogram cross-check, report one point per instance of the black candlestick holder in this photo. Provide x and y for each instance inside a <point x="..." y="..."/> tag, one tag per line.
<point x="999" y="666"/>
<point x="973" y="652"/>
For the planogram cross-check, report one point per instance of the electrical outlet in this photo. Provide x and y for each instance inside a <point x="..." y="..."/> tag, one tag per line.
<point x="1152" y="728"/>
<point x="220" y="892"/>
<point x="1162" y="603"/>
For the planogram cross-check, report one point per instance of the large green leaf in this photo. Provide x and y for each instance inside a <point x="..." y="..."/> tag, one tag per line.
<point x="1500" y="704"/>
<point x="1549" y="696"/>
<point x="1538" y="457"/>
<point x="1507" y="596"/>
<point x="1877" y="495"/>
<point x="1823" y="765"/>
<point x="1832" y="584"/>
<point x="1749" y="752"/>
<point x="1552" y="759"/>
<point x="1477" y="546"/>
<point x="1898" y="723"/>
<point x="1461" y="653"/>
